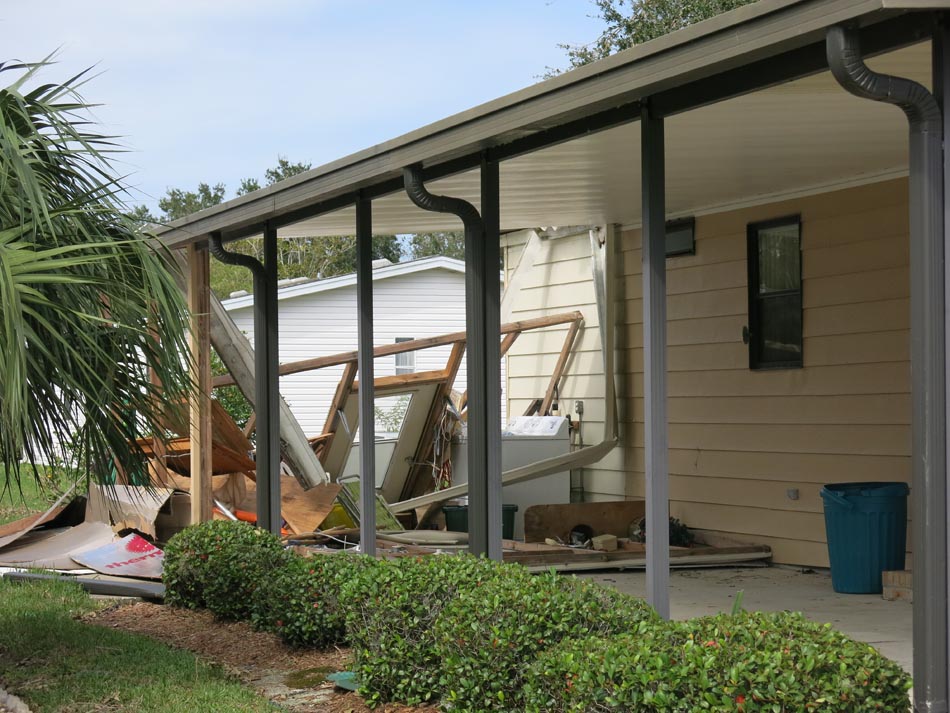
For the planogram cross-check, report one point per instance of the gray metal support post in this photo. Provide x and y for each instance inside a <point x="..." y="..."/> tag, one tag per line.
<point x="364" y="304"/>
<point x="266" y="363"/>
<point x="941" y="85"/>
<point x="653" y="255"/>
<point x="927" y="346"/>
<point x="483" y="293"/>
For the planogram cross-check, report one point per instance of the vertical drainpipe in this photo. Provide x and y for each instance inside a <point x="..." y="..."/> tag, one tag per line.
<point x="267" y="396"/>
<point x="482" y="286"/>
<point x="928" y="354"/>
<point x="367" y="395"/>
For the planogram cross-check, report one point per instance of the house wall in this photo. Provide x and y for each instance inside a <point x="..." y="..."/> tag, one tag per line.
<point x="420" y="304"/>
<point x="741" y="439"/>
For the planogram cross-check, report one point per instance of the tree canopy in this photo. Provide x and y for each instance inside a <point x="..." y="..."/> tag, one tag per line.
<point x="633" y="22"/>
<point x="312" y="257"/>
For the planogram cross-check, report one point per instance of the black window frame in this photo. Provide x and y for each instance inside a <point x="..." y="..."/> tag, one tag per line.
<point x="755" y="317"/>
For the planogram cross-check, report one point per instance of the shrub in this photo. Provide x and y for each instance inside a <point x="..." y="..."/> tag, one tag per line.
<point x="485" y="637"/>
<point x="301" y="600"/>
<point x="218" y="565"/>
<point x="391" y="610"/>
<point x="750" y="662"/>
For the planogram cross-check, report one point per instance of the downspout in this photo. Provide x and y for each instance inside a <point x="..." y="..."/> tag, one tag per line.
<point x="928" y="354"/>
<point x="420" y="196"/>
<point x="482" y="310"/>
<point x="268" y="493"/>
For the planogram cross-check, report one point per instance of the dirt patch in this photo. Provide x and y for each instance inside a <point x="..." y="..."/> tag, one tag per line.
<point x="292" y="678"/>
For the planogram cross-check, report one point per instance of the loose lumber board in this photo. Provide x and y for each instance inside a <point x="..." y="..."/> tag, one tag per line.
<point x="557" y="521"/>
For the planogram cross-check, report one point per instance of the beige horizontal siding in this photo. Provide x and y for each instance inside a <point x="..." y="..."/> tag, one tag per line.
<point x="740" y="440"/>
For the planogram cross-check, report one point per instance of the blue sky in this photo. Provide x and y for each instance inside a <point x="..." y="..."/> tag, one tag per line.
<point x="214" y="90"/>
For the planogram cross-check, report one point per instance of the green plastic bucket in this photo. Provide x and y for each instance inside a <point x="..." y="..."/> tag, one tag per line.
<point x="867" y="533"/>
<point x="456" y="519"/>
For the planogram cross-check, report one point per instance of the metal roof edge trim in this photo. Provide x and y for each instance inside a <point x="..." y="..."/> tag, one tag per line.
<point x="437" y="262"/>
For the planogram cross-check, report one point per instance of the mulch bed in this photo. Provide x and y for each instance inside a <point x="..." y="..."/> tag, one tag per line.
<point x="259" y="659"/>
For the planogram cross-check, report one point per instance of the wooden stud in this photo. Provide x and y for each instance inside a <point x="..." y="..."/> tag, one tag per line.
<point x="559" y="367"/>
<point x="199" y="402"/>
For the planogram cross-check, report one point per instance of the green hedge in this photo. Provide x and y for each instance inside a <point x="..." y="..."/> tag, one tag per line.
<point x="301" y="600"/>
<point x="218" y="565"/>
<point x="486" y="635"/>
<point x="750" y="662"/>
<point x="482" y="636"/>
<point x="392" y="612"/>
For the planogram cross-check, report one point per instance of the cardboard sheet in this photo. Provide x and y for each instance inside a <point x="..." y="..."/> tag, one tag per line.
<point x="55" y="549"/>
<point x="132" y="556"/>
<point x="13" y="531"/>
<point x="126" y="506"/>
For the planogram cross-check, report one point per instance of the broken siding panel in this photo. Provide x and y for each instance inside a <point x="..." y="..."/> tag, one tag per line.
<point x="532" y="357"/>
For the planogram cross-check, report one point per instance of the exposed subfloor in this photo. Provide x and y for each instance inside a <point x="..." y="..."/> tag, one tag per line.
<point x="866" y="617"/>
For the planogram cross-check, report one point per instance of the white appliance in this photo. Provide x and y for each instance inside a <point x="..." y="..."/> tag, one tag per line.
<point x="526" y="440"/>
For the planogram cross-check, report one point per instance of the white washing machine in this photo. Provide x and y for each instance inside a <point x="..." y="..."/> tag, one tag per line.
<point x="526" y="440"/>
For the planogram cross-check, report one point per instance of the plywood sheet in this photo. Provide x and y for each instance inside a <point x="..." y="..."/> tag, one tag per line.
<point x="305" y="510"/>
<point x="607" y="518"/>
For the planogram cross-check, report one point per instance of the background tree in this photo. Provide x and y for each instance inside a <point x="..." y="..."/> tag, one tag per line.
<point x="87" y="304"/>
<point x="633" y="22"/>
<point x="450" y="243"/>
<point x="311" y="257"/>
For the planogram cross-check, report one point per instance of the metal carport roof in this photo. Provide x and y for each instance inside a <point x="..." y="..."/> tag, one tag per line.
<point x="756" y="139"/>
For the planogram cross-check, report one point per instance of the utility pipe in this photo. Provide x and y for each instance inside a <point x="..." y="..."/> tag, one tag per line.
<point x="928" y="353"/>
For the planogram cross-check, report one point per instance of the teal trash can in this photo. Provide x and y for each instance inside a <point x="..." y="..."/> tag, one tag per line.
<point x="867" y="533"/>
<point x="456" y="519"/>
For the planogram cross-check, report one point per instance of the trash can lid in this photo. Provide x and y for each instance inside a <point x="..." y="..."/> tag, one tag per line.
<point x="870" y="490"/>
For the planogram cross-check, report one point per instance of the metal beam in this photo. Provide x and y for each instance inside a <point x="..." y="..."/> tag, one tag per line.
<point x="484" y="352"/>
<point x="267" y="405"/>
<point x="941" y="85"/>
<point x="655" y="437"/>
<point x="364" y="306"/>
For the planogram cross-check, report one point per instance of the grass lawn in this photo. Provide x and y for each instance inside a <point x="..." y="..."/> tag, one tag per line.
<point x="57" y="664"/>
<point x="31" y="497"/>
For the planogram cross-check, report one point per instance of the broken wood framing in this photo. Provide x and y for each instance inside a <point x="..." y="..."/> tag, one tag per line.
<point x="411" y="346"/>
<point x="238" y="356"/>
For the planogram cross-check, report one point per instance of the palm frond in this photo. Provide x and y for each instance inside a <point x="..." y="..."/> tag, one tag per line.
<point x="89" y="307"/>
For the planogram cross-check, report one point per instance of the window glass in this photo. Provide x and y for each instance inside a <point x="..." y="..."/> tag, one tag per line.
<point x="405" y="362"/>
<point x="779" y="259"/>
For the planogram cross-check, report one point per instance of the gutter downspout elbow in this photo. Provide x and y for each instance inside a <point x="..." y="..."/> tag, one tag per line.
<point x="420" y="196"/>
<point x="843" y="50"/>
<point x="217" y="249"/>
